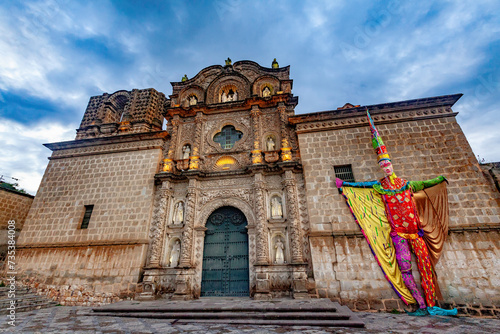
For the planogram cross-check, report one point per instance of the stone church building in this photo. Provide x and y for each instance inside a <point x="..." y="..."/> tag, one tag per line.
<point x="237" y="197"/>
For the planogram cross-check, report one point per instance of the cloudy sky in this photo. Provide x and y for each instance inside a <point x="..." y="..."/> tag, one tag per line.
<point x="55" y="54"/>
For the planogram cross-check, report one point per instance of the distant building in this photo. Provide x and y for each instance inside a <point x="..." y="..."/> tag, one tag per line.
<point x="14" y="207"/>
<point x="237" y="196"/>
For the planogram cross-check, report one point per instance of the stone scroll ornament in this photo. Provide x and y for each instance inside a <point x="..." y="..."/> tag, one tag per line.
<point x="396" y="216"/>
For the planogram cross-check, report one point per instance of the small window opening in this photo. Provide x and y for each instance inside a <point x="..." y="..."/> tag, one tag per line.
<point x="86" y="216"/>
<point x="344" y="173"/>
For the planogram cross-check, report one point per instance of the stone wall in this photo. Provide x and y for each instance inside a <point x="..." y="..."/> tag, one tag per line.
<point x="91" y="275"/>
<point x="344" y="267"/>
<point x="13" y="206"/>
<point x="103" y="261"/>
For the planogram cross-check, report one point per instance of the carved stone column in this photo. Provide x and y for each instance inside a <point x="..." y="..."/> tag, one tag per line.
<point x="299" y="271"/>
<point x="286" y="150"/>
<point x="168" y="163"/>
<point x="194" y="159"/>
<point x="156" y="233"/>
<point x="257" y="152"/>
<point x="293" y="216"/>
<point x="187" y="236"/>
<point x="262" y="235"/>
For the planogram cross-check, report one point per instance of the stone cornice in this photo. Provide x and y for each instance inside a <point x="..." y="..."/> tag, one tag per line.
<point x="107" y="140"/>
<point x="277" y="168"/>
<point x="435" y="107"/>
<point x="247" y="104"/>
<point x="454" y="229"/>
<point x="125" y="143"/>
<point x="84" y="244"/>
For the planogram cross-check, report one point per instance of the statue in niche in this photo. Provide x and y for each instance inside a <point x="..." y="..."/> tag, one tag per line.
<point x="280" y="252"/>
<point x="175" y="254"/>
<point x="179" y="213"/>
<point x="276" y="208"/>
<point x="186" y="151"/>
<point x="266" y="92"/>
<point x="231" y="96"/>
<point x="192" y="100"/>
<point x="224" y="97"/>
<point x="270" y="145"/>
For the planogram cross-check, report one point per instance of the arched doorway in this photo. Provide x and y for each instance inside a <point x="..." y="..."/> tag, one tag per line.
<point x="225" y="254"/>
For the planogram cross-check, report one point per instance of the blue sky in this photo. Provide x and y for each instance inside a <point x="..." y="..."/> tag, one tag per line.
<point x="55" y="54"/>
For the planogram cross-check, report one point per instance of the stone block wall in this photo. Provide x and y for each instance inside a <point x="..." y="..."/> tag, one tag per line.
<point x="119" y="185"/>
<point x="13" y="206"/>
<point x="91" y="275"/>
<point x="344" y="267"/>
<point x="103" y="262"/>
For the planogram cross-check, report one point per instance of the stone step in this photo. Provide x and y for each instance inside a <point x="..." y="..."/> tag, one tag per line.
<point x="357" y="323"/>
<point x="26" y="308"/>
<point x="229" y="315"/>
<point x="25" y="300"/>
<point x="317" y="312"/>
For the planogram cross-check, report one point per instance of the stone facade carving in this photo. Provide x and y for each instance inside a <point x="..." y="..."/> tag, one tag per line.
<point x="262" y="235"/>
<point x="208" y="195"/>
<point x="279" y="251"/>
<point x="178" y="213"/>
<point x="162" y="199"/>
<point x="187" y="237"/>
<point x="175" y="252"/>
<point x="295" y="230"/>
<point x="276" y="207"/>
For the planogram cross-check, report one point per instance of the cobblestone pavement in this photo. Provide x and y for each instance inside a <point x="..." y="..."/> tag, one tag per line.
<point x="67" y="319"/>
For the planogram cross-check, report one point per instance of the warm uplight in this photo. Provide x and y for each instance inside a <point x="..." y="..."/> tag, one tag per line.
<point x="225" y="163"/>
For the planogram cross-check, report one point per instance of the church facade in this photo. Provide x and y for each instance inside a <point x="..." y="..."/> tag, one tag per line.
<point x="237" y="197"/>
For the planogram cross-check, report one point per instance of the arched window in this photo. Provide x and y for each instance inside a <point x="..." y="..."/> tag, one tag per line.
<point x="228" y="137"/>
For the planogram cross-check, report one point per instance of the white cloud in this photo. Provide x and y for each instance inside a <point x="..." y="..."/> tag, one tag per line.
<point x="23" y="155"/>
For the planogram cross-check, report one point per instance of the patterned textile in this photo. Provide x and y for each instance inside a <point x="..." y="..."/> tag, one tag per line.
<point x="425" y="268"/>
<point x="403" y="256"/>
<point x="392" y="205"/>
<point x="368" y="210"/>
<point x="402" y="213"/>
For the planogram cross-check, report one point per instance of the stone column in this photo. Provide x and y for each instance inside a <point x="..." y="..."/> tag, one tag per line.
<point x="257" y="152"/>
<point x="194" y="159"/>
<point x="289" y="183"/>
<point x="286" y="150"/>
<point x="187" y="236"/>
<point x="168" y="163"/>
<point x="262" y="235"/>
<point x="156" y="233"/>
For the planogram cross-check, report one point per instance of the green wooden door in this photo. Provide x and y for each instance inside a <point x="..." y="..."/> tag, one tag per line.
<point x="225" y="255"/>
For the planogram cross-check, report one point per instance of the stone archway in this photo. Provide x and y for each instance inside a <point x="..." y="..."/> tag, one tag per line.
<point x="225" y="267"/>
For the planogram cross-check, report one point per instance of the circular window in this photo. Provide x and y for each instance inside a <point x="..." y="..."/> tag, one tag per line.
<point x="228" y="137"/>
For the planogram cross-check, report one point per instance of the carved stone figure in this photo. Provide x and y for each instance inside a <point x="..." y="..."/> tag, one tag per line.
<point x="270" y="145"/>
<point x="280" y="256"/>
<point x="175" y="254"/>
<point x="276" y="208"/>
<point x="186" y="151"/>
<point x="179" y="213"/>
<point x="224" y="97"/>
<point x="266" y="92"/>
<point x="192" y="100"/>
